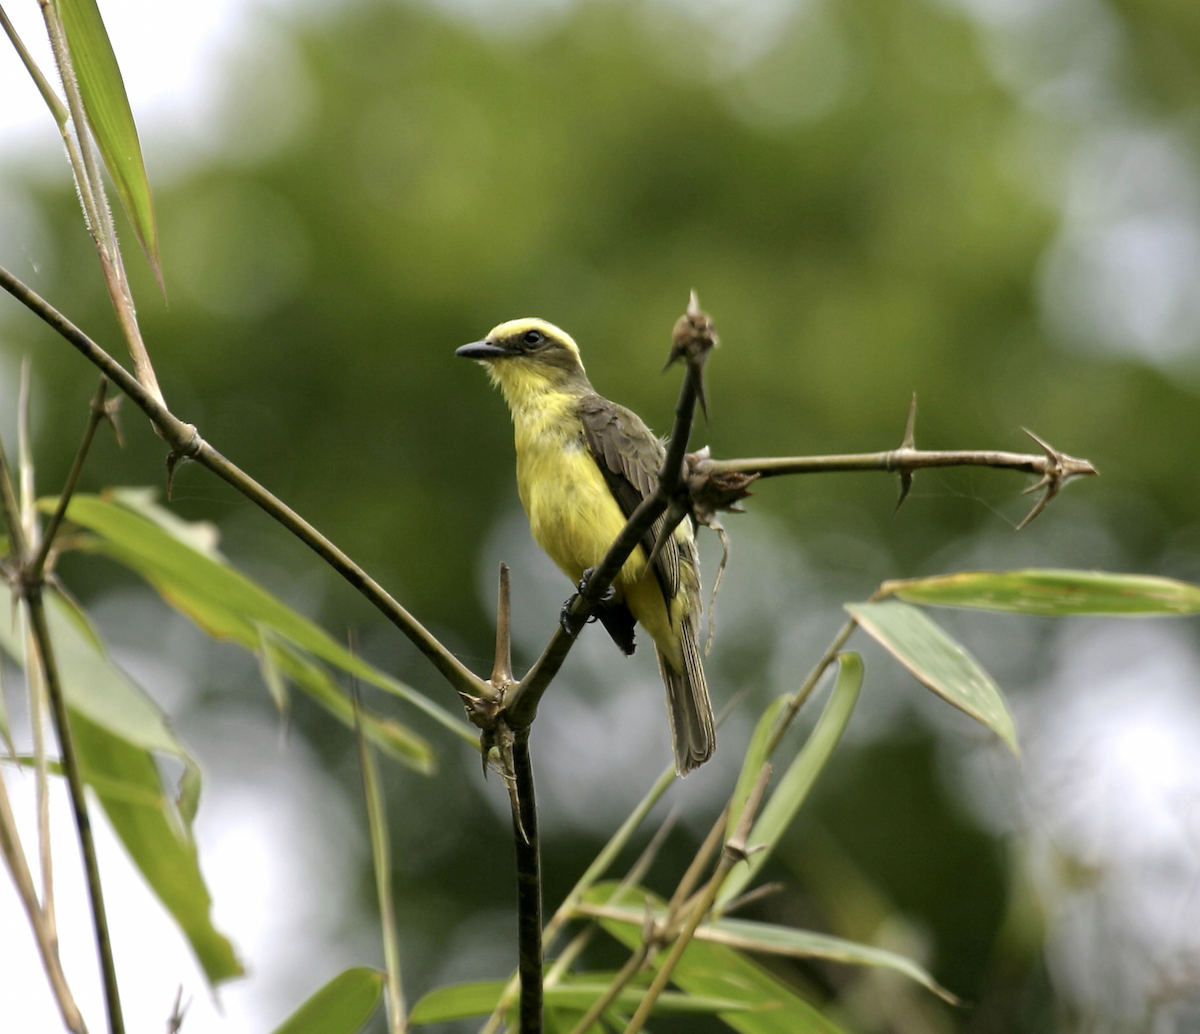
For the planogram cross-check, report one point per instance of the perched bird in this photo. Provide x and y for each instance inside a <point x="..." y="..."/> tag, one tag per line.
<point x="583" y="466"/>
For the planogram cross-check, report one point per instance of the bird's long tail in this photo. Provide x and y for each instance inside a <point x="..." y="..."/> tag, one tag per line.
<point x="688" y="704"/>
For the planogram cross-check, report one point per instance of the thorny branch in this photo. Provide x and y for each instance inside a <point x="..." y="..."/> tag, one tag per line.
<point x="186" y="443"/>
<point x="690" y="485"/>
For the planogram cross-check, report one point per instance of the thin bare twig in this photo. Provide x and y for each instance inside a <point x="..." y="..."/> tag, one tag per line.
<point x="1054" y="468"/>
<point x="14" y="858"/>
<point x="83" y="825"/>
<point x="186" y="443"/>
<point x="99" y="412"/>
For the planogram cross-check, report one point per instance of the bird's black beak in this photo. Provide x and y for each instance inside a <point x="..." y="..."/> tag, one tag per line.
<point x="480" y="350"/>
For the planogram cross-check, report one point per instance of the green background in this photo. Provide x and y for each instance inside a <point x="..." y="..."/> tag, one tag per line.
<point x="872" y="198"/>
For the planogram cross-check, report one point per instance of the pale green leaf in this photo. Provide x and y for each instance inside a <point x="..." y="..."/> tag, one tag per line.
<point x="756" y="754"/>
<point x="92" y="684"/>
<point x="715" y="971"/>
<point x="269" y="670"/>
<point x="456" y="1002"/>
<point x="117" y="729"/>
<point x="156" y="837"/>
<point x="767" y="938"/>
<point x="228" y="605"/>
<point x="343" y="1006"/>
<point x="111" y="118"/>
<point x="792" y="790"/>
<point x="381" y="858"/>
<point x="459" y="1001"/>
<point x="938" y="662"/>
<point x="1052" y="593"/>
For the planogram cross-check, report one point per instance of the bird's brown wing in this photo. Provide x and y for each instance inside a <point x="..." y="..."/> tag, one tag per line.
<point x="630" y="457"/>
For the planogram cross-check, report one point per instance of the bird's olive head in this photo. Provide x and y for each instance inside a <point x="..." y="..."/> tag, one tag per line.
<point x="531" y="343"/>
<point x="526" y="354"/>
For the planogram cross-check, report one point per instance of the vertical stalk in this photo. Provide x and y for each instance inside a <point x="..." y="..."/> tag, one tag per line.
<point x="83" y="824"/>
<point x="529" y="888"/>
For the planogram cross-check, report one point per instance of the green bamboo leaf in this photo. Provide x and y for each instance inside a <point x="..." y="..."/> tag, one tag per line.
<point x="798" y="780"/>
<point x="156" y="837"/>
<point x="456" y="1002"/>
<point x="717" y="971"/>
<point x="269" y="669"/>
<point x="227" y="605"/>
<point x="396" y="740"/>
<point x="111" y="118"/>
<point x="767" y="938"/>
<point x="756" y="754"/>
<point x="938" y="662"/>
<point x="343" y="1006"/>
<point x="460" y="1001"/>
<point x="1052" y="593"/>
<point x="92" y="684"/>
<point x="117" y="731"/>
<point x="381" y="858"/>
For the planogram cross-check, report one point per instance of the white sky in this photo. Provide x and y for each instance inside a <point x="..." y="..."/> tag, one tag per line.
<point x="167" y="52"/>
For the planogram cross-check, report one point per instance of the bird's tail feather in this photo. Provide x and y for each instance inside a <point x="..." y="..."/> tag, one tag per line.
<point x="688" y="705"/>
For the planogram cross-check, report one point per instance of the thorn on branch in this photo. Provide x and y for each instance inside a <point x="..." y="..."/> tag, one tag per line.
<point x="502" y="667"/>
<point x="693" y="337"/>
<point x="111" y="411"/>
<point x="1058" y="469"/>
<point x="909" y="442"/>
<point x="713" y="490"/>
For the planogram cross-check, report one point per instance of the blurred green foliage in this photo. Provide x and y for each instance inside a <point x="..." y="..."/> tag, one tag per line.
<point x="862" y="200"/>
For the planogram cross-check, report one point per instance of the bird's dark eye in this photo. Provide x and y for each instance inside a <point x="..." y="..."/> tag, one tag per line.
<point x="533" y="337"/>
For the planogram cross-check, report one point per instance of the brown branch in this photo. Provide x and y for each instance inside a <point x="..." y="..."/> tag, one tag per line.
<point x="186" y="443"/>
<point x="706" y="476"/>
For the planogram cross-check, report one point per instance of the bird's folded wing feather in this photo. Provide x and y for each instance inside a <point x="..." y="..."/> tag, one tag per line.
<point x="630" y="457"/>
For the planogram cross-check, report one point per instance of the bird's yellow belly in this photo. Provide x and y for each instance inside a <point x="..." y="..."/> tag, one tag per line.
<point x="572" y="514"/>
<point x="574" y="518"/>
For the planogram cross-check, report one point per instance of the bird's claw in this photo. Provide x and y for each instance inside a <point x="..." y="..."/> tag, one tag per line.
<point x="564" y="617"/>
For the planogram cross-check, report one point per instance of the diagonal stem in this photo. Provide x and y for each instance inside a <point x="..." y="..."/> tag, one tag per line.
<point x="185" y="442"/>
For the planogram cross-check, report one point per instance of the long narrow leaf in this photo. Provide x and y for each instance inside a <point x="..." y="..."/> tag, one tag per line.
<point x="225" y="603"/>
<point x="801" y="774"/>
<point x="117" y="730"/>
<point x="716" y="971"/>
<point x="157" y="840"/>
<point x="938" y="662"/>
<point x="770" y="939"/>
<point x="781" y="940"/>
<point x="459" y="1001"/>
<point x="343" y="1006"/>
<point x="381" y="858"/>
<point x="1052" y="593"/>
<point x="756" y="754"/>
<point x="111" y="118"/>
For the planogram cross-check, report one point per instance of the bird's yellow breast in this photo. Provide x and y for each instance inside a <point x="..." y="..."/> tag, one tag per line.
<point x="572" y="514"/>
